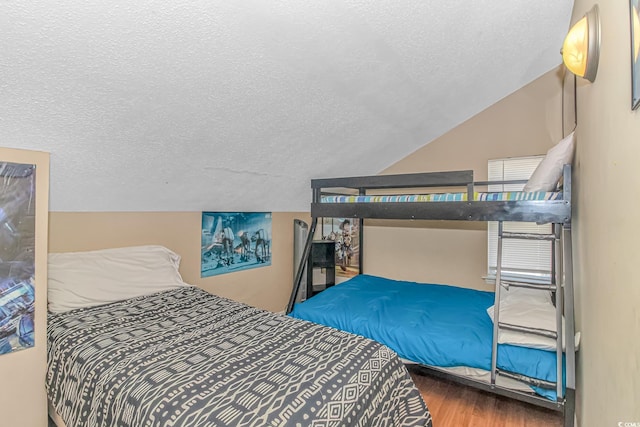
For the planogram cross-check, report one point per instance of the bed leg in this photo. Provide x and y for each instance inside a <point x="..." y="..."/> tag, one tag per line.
<point x="569" y="407"/>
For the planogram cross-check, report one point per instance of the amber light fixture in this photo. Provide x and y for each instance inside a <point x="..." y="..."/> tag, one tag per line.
<point x="581" y="47"/>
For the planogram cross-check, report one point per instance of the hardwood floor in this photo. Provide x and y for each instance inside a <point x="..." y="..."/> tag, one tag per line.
<point x="454" y="405"/>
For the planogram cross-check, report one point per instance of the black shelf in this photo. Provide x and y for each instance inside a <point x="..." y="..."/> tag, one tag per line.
<point x="323" y="255"/>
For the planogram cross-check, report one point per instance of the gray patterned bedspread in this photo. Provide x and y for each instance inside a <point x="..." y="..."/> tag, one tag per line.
<point x="188" y="358"/>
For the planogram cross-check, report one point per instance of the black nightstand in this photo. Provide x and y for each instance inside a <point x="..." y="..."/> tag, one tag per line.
<point x="323" y="255"/>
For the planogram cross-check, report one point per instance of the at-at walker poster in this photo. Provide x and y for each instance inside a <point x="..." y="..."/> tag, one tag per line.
<point x="235" y="241"/>
<point x="17" y="262"/>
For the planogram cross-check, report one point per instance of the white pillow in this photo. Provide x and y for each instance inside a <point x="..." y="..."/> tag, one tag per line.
<point x="86" y="279"/>
<point x="548" y="173"/>
<point x="530" y="308"/>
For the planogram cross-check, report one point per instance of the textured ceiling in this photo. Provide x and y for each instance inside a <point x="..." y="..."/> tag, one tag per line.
<point x="235" y="105"/>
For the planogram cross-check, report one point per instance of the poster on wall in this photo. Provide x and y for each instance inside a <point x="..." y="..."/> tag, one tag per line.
<point x="235" y="241"/>
<point x="346" y="235"/>
<point x="17" y="262"/>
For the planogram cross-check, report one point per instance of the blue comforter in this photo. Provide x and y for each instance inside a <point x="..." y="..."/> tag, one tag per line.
<point x="435" y="325"/>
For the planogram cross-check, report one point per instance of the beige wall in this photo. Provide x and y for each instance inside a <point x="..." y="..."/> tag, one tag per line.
<point x="23" y="400"/>
<point x="607" y="179"/>
<point x="266" y="287"/>
<point x="527" y="122"/>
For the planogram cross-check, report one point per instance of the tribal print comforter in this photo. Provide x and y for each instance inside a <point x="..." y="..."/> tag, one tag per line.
<point x="188" y="358"/>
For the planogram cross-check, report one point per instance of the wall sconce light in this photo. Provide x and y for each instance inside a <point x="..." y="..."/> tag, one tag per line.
<point x="581" y="48"/>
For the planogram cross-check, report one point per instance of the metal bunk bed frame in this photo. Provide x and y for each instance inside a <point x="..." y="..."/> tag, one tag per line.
<point x="556" y="212"/>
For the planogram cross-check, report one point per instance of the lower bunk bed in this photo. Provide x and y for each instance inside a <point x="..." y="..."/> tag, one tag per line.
<point x="446" y="331"/>
<point x="176" y="355"/>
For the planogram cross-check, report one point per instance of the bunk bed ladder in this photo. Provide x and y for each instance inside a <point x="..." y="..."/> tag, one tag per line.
<point x="554" y="286"/>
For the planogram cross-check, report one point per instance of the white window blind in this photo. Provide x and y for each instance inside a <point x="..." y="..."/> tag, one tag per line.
<point x="521" y="259"/>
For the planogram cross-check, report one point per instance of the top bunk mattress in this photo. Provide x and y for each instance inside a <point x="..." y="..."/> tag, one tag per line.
<point x="444" y="197"/>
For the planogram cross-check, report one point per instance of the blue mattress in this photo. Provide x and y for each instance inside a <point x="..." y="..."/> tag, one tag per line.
<point x="435" y="325"/>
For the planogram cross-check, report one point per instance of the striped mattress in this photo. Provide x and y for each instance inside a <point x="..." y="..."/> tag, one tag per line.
<point x="445" y="197"/>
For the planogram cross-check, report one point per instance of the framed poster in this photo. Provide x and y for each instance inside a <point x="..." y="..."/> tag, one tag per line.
<point x="17" y="251"/>
<point x="234" y="241"/>
<point x="345" y="233"/>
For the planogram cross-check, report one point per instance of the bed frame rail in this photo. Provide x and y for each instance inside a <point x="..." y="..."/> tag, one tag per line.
<point x="412" y="180"/>
<point x="566" y="406"/>
<point x="555" y="211"/>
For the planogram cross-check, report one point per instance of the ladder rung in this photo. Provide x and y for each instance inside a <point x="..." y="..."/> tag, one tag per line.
<point x="528" y="236"/>
<point x="531" y="381"/>
<point x="529" y="285"/>
<point x="536" y="331"/>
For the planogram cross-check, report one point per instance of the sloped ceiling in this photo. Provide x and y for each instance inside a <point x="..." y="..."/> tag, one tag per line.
<point x="235" y="105"/>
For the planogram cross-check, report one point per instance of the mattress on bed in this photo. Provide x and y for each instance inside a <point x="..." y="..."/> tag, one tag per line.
<point x="188" y="358"/>
<point x="444" y="197"/>
<point x="436" y="325"/>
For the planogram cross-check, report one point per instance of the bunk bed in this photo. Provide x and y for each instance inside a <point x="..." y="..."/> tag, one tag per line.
<point x="457" y="197"/>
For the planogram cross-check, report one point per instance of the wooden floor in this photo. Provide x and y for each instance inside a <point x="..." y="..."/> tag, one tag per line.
<point x="454" y="405"/>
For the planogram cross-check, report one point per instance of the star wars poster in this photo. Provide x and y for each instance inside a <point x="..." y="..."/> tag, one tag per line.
<point x="235" y="241"/>
<point x="346" y="235"/>
<point x="17" y="263"/>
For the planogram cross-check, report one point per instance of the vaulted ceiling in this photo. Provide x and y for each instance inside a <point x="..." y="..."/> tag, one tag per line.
<point x="191" y="105"/>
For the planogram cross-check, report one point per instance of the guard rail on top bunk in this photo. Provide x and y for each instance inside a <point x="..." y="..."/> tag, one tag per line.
<point x="555" y="211"/>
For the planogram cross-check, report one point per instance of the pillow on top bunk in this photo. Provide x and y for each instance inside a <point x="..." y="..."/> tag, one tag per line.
<point x="86" y="279"/>
<point x="548" y="173"/>
<point x="529" y="308"/>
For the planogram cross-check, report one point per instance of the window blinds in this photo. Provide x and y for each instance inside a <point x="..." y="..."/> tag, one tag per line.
<point x="521" y="259"/>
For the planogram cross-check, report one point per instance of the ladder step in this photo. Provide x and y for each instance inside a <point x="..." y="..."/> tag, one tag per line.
<point x="531" y="381"/>
<point x="529" y="285"/>
<point x="528" y="236"/>
<point x="536" y="331"/>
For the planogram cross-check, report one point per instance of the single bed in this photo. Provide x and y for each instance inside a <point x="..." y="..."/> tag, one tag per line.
<point x="183" y="357"/>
